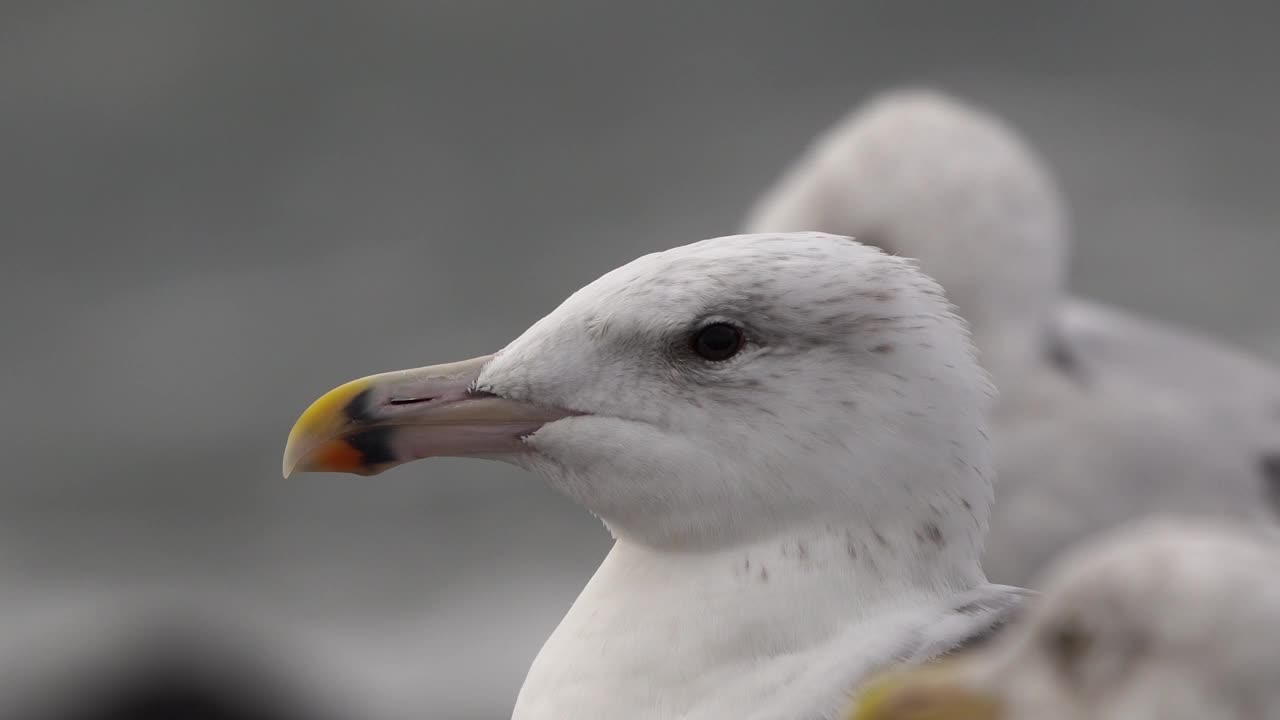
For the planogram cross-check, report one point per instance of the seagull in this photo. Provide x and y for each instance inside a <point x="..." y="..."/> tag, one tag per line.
<point x="784" y="434"/>
<point x="1166" y="619"/>
<point x="1102" y="416"/>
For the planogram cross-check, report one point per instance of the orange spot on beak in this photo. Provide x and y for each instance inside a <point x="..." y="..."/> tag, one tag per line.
<point x="335" y="456"/>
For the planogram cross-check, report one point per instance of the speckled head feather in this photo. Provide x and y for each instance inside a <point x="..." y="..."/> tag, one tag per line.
<point x="856" y="397"/>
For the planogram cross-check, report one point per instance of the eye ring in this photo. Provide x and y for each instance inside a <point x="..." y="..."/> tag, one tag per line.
<point x="717" y="341"/>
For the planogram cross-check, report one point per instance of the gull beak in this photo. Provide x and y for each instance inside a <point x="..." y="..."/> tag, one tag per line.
<point x="931" y="692"/>
<point x="375" y="423"/>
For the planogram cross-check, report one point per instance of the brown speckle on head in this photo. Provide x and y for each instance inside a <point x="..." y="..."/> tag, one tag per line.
<point x="883" y="348"/>
<point x="934" y="534"/>
<point x="930" y="533"/>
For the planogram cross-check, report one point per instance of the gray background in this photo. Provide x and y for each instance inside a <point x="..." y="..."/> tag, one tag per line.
<point x="213" y="211"/>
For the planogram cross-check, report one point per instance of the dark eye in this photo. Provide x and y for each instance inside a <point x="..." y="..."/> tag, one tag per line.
<point x="717" y="342"/>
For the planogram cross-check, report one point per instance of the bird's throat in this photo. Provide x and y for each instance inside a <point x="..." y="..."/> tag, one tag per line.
<point x="688" y="623"/>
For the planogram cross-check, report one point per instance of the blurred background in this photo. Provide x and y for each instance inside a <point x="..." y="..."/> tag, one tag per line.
<point x="214" y="211"/>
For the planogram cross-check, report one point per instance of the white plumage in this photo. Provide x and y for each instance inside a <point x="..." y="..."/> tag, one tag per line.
<point x="1102" y="415"/>
<point x="788" y="521"/>
<point x="798" y="503"/>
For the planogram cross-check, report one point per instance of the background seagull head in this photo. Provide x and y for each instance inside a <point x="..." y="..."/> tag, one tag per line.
<point x="926" y="176"/>
<point x="1169" y="619"/>
<point x="718" y="393"/>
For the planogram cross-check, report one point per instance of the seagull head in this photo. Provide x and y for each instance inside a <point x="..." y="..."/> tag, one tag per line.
<point x="926" y="176"/>
<point x="1169" y="618"/>
<point x="707" y="395"/>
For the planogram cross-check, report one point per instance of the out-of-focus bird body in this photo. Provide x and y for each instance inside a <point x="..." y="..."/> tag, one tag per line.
<point x="1102" y="416"/>
<point x="1169" y="619"/>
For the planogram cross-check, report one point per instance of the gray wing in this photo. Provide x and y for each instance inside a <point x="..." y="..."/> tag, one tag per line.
<point x="1118" y="346"/>
<point x="1145" y="419"/>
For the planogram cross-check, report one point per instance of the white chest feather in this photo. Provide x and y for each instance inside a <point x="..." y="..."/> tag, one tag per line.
<point x="763" y="632"/>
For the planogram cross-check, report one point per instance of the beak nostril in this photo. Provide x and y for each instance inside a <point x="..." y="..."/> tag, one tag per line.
<point x="410" y="400"/>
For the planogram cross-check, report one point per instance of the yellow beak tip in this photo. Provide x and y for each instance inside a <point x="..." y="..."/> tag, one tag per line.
<point x="312" y="445"/>
<point x="291" y="465"/>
